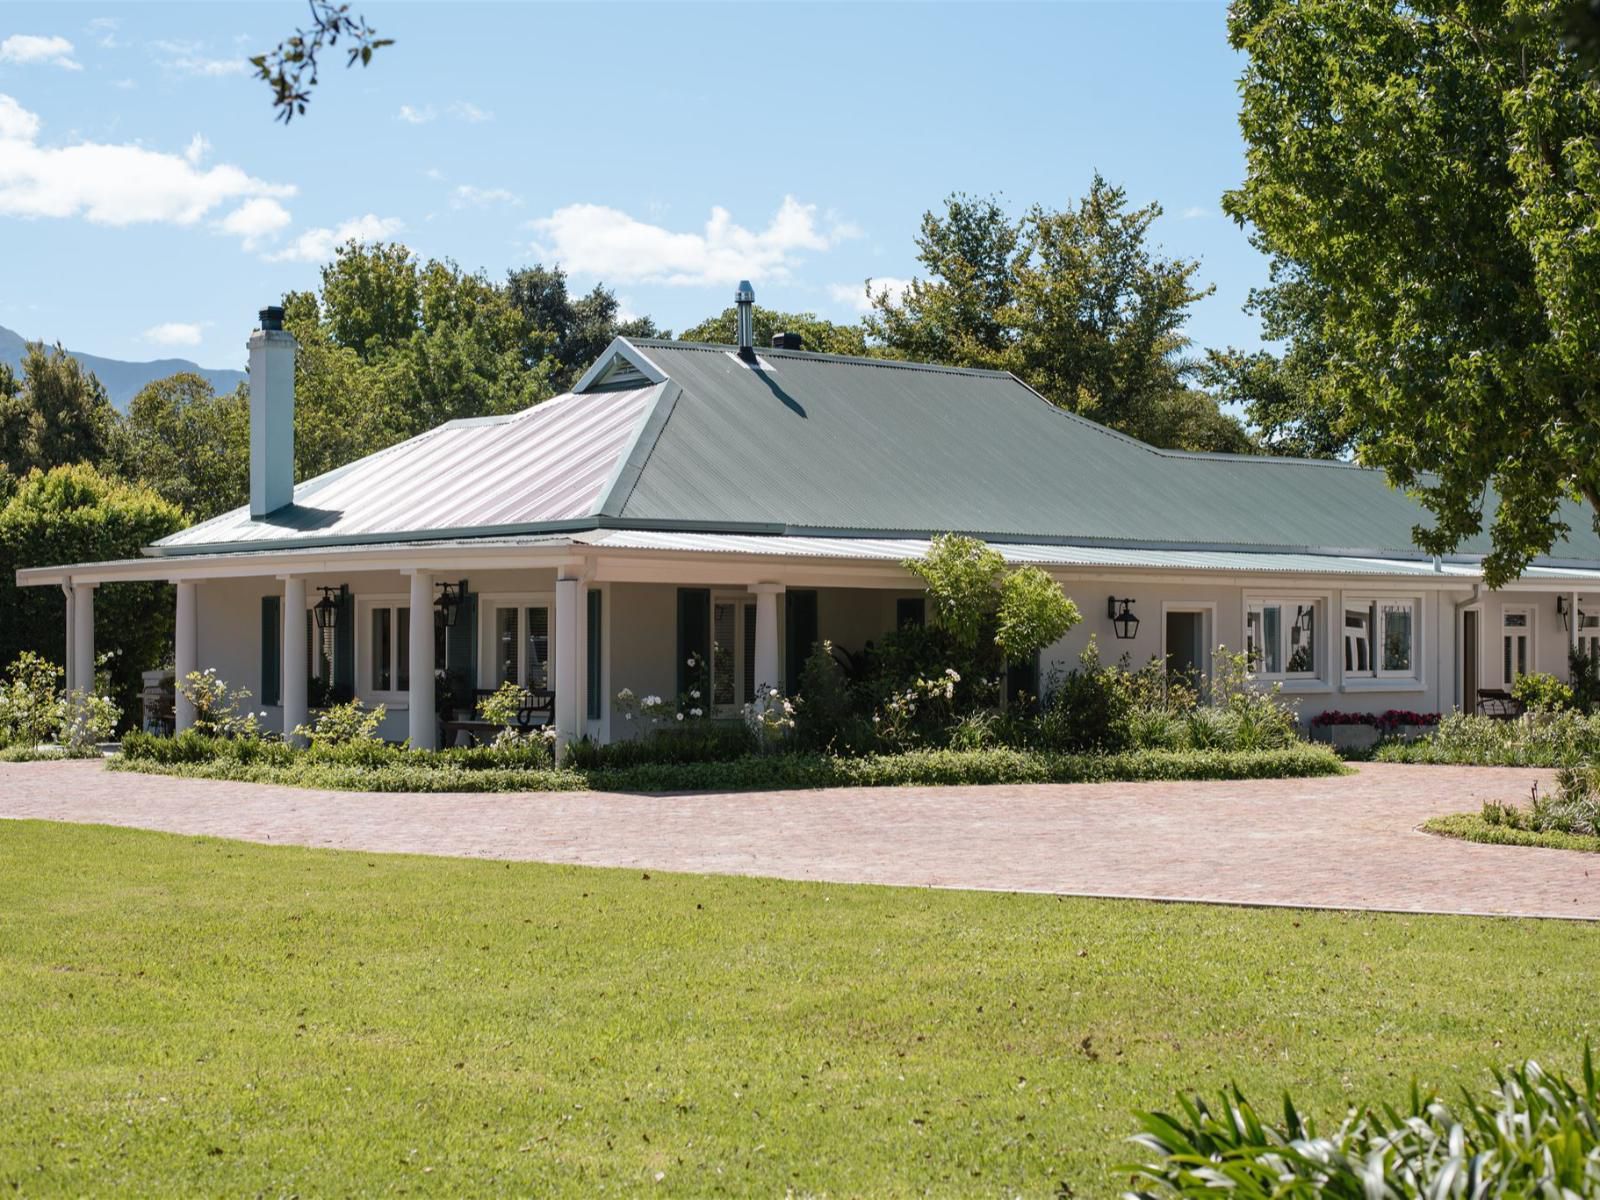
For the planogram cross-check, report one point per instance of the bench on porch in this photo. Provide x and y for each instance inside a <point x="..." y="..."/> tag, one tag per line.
<point x="1499" y="704"/>
<point x="539" y="711"/>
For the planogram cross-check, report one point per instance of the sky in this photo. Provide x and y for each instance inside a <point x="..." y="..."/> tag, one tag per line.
<point x="150" y="204"/>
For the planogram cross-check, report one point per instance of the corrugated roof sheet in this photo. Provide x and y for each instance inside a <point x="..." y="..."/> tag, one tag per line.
<point x="548" y="463"/>
<point x="825" y="443"/>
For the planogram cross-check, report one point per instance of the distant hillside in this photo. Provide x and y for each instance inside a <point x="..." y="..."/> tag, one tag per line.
<point x="122" y="380"/>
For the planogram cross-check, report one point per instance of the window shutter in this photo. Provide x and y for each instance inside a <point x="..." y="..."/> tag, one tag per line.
<point x="272" y="650"/>
<point x="800" y="634"/>
<point x="1023" y="677"/>
<point x="344" y="647"/>
<point x="694" y="632"/>
<point x="594" y="673"/>
<point x="749" y="691"/>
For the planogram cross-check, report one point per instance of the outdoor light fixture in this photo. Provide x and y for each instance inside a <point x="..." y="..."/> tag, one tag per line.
<point x="448" y="606"/>
<point x="1303" y="614"/>
<point x="327" y="609"/>
<point x="1564" y="612"/>
<point x="1122" y="618"/>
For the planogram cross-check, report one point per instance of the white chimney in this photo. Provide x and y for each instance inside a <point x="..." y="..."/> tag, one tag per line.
<point x="271" y="415"/>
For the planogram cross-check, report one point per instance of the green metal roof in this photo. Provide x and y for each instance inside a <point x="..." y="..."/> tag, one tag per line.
<point x="823" y="443"/>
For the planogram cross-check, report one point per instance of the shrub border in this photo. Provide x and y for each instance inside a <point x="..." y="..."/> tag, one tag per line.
<point x="1470" y="827"/>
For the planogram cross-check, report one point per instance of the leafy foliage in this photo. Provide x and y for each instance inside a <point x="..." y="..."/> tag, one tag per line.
<point x="1534" y="1134"/>
<point x="33" y="709"/>
<point x="220" y="711"/>
<point x="1543" y="691"/>
<point x="188" y="444"/>
<point x="1033" y="613"/>
<point x="821" y="336"/>
<point x="343" y="724"/>
<point x="963" y="576"/>
<point x="1429" y="172"/>
<point x="56" y="414"/>
<point x="290" y="67"/>
<point x="1536" y="739"/>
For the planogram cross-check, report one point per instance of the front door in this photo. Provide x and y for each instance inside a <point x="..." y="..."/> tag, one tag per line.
<point x="1186" y="644"/>
<point x="1469" y="660"/>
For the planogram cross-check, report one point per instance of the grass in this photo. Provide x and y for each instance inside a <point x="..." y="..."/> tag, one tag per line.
<point x="1473" y="828"/>
<point x="437" y="772"/>
<point x="192" y="1016"/>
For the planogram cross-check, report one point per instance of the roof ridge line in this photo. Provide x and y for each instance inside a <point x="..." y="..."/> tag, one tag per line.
<point x="630" y="464"/>
<point x="825" y="358"/>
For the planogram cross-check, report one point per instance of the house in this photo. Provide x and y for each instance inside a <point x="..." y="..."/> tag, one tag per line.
<point x="743" y="502"/>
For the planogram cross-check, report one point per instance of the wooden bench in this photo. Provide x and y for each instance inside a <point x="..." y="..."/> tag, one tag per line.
<point x="540" y="710"/>
<point x="1499" y="704"/>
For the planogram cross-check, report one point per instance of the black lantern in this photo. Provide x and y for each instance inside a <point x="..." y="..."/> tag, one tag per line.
<point x="448" y="606"/>
<point x="1303" y="615"/>
<point x="1564" y="612"/>
<point x="1122" y="618"/>
<point x="327" y="609"/>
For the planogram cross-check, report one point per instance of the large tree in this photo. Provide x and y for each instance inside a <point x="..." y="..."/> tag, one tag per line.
<point x="818" y="334"/>
<point x="568" y="333"/>
<point x="1433" y="169"/>
<point x="189" y="444"/>
<point x="56" y="413"/>
<point x="1075" y="302"/>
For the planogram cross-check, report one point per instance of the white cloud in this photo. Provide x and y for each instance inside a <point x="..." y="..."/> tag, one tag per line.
<point x="126" y="85"/>
<point x="416" y="116"/>
<point x="317" y="245"/>
<point x="1194" y="212"/>
<point x="591" y="239"/>
<point x="856" y="295"/>
<point x="104" y="30"/>
<point x="256" y="220"/>
<point x="112" y="184"/>
<point x="174" y="333"/>
<point x="190" y="58"/>
<point x="467" y="111"/>
<point x="465" y="195"/>
<point x="198" y="148"/>
<point x="26" y="49"/>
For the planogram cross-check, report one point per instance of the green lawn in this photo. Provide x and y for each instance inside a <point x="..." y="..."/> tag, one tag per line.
<point x="192" y="1016"/>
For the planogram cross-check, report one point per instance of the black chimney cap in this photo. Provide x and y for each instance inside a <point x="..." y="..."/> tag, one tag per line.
<point x="788" y="341"/>
<point x="272" y="317"/>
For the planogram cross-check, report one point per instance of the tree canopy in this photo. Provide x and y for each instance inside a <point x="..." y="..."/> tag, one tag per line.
<point x="1431" y="172"/>
<point x="188" y="444"/>
<point x="56" y="413"/>
<point x="822" y="336"/>
<point x="1075" y="302"/>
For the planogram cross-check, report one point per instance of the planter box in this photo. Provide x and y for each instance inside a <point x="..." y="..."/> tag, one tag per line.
<point x="1346" y="737"/>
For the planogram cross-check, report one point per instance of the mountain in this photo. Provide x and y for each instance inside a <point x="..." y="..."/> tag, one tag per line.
<point x="122" y="380"/>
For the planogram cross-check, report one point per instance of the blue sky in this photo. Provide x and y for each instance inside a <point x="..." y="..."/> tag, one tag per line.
<point x="149" y="204"/>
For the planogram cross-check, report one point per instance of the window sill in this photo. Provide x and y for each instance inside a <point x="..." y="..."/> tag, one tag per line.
<point x="1299" y="687"/>
<point x="390" y="704"/>
<point x="1383" y="685"/>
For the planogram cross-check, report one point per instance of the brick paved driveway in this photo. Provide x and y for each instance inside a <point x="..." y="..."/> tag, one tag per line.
<point x="1347" y="842"/>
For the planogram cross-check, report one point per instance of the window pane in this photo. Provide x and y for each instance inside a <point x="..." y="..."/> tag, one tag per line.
<point x="538" y="648"/>
<point x="1516" y="620"/>
<point x="1252" y="638"/>
<point x="1357" y="641"/>
<point x="750" y="652"/>
<point x="1505" y="666"/>
<point x="505" y="646"/>
<point x="722" y="644"/>
<point x="1302" y="644"/>
<point x="381" y="648"/>
<point x="1397" y="637"/>
<point x="402" y="648"/>
<point x="1272" y="639"/>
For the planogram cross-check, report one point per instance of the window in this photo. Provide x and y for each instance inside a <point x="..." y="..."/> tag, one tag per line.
<point x="733" y="653"/>
<point x="319" y="649"/>
<point x="1516" y="643"/>
<point x="1380" y="638"/>
<point x="1280" y="638"/>
<point x="386" y="649"/>
<point x="910" y="610"/>
<point x="518" y="634"/>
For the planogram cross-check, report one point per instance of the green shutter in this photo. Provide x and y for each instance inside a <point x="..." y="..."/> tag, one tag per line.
<point x="272" y="650"/>
<point x="344" y="647"/>
<point x="1023" y="677"/>
<point x="800" y="634"/>
<point x="461" y="641"/>
<point x="694" y="633"/>
<point x="595" y="675"/>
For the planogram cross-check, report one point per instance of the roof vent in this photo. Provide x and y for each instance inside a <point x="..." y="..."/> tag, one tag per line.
<point x="272" y="317"/>
<point x="745" y="301"/>
<point x="788" y="341"/>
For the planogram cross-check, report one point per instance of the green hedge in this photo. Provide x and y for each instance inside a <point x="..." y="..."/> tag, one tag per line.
<point x="1471" y="827"/>
<point x="373" y="767"/>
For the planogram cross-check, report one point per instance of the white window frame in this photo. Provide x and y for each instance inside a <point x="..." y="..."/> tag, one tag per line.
<point x="1378" y="678"/>
<point x="488" y="624"/>
<point x="395" y="697"/>
<point x="1287" y="603"/>
<point x="743" y="610"/>
<point x="1207" y="612"/>
<point x="1531" y="629"/>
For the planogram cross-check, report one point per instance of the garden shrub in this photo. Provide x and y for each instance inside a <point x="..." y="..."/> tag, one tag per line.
<point x="1543" y="692"/>
<point x="1583" y="670"/>
<point x="1088" y="709"/>
<point x="1535" y="739"/>
<point x="825" y="710"/>
<point x="219" y="710"/>
<point x="342" y="724"/>
<point x="33" y="710"/>
<point x="701" y="741"/>
<point x="1533" y="1134"/>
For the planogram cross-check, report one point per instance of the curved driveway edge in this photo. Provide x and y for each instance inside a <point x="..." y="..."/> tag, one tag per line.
<point x="1343" y="842"/>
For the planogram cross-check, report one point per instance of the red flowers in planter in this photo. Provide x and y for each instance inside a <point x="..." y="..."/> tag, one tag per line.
<point x="1384" y="722"/>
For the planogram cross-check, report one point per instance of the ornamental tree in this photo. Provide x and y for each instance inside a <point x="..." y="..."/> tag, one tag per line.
<point x="1431" y="172"/>
<point x="978" y="603"/>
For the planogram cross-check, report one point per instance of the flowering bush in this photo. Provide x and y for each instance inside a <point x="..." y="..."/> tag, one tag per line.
<point x="504" y="708"/>
<point x="86" y="720"/>
<point x="1385" y="722"/>
<point x="770" y="716"/>
<point x="343" y="724"/>
<point x="217" y="706"/>
<point x="32" y="709"/>
<point x="690" y="705"/>
<point x="901" y="720"/>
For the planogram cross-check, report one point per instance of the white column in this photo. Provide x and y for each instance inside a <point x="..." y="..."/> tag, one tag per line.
<point x="82" y="651"/>
<point x="767" y="669"/>
<point x="424" y="721"/>
<point x="569" y="650"/>
<point x="292" y="676"/>
<point x="66" y="640"/>
<point x="185" y="653"/>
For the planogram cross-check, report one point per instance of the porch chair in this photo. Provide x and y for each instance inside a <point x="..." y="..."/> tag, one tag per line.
<point x="1499" y="704"/>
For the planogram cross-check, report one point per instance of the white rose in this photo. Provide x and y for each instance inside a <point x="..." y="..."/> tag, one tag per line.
<point x="680" y="716"/>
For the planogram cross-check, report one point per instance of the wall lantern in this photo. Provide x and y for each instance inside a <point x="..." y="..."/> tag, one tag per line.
<point x="1564" y="611"/>
<point x="1303" y="615"/>
<point x="327" y="609"/>
<point x="448" y="606"/>
<point x="1122" y="618"/>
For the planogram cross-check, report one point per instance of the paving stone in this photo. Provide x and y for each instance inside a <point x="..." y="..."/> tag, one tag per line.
<point x="1343" y="842"/>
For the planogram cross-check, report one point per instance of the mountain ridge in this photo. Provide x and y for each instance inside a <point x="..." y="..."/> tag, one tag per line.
<point x="121" y="378"/>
